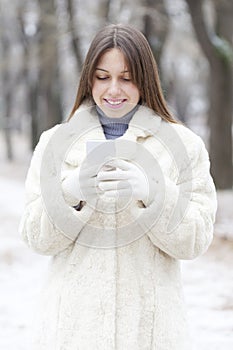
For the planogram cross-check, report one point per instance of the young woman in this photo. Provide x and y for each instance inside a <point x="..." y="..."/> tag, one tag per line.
<point x="116" y="220"/>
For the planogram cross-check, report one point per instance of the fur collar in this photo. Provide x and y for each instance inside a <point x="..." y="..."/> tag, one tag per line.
<point x="144" y="123"/>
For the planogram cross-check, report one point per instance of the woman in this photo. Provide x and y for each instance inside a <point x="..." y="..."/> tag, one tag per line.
<point x="114" y="281"/>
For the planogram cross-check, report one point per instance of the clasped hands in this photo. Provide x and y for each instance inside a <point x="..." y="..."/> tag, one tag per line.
<point x="117" y="178"/>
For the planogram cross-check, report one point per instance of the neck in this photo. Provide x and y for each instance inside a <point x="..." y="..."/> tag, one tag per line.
<point x="115" y="127"/>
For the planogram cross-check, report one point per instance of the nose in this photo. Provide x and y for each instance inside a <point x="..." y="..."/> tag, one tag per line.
<point x="114" y="88"/>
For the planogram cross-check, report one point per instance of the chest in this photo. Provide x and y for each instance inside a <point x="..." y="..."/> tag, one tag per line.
<point x="144" y="151"/>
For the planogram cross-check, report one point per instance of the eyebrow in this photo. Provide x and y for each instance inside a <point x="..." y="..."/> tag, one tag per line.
<point x="104" y="70"/>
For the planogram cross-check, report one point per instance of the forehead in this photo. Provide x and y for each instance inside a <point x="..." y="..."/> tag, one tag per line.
<point x="112" y="59"/>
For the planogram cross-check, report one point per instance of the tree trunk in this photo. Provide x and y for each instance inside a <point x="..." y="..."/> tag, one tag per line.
<point x="74" y="35"/>
<point x="156" y="26"/>
<point x="48" y="94"/>
<point x="7" y="93"/>
<point x="220" y="122"/>
<point x="103" y="12"/>
<point x="219" y="54"/>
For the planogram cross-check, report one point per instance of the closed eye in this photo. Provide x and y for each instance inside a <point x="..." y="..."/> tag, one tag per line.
<point x="101" y="78"/>
<point x="105" y="78"/>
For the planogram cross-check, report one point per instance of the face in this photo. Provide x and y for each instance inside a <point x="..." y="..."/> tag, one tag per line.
<point x="112" y="89"/>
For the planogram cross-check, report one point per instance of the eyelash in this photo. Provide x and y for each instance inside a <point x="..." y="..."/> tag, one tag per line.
<point x="99" y="78"/>
<point x="105" y="78"/>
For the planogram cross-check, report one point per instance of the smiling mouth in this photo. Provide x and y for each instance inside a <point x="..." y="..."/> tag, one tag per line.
<point x="115" y="102"/>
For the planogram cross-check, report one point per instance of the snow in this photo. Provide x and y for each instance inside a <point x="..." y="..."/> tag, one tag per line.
<point x="21" y="271"/>
<point x="208" y="285"/>
<point x="208" y="280"/>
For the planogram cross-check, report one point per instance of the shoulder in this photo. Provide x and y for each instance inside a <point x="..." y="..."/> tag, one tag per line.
<point x="181" y="133"/>
<point x="183" y="144"/>
<point x="47" y="134"/>
<point x="45" y="137"/>
<point x="186" y="134"/>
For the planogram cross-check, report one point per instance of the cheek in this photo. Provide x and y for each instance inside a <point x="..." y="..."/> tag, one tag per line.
<point x="95" y="92"/>
<point x="135" y="94"/>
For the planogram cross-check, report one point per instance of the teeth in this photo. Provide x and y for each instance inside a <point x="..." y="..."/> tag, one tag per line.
<point x="114" y="102"/>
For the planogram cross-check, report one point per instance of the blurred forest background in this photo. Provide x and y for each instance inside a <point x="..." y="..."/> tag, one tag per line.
<point x="42" y="47"/>
<point x="43" y="44"/>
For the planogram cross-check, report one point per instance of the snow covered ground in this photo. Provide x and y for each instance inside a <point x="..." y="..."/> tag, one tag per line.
<point x="208" y="280"/>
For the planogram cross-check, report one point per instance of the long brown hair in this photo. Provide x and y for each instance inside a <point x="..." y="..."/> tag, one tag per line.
<point x="140" y="62"/>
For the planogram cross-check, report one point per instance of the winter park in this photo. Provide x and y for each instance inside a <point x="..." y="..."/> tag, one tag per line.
<point x="43" y="46"/>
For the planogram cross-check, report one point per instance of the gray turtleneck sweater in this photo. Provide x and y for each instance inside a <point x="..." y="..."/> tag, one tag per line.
<point x="115" y="127"/>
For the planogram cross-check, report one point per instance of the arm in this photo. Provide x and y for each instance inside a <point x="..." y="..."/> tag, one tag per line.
<point x="188" y="231"/>
<point x="36" y="228"/>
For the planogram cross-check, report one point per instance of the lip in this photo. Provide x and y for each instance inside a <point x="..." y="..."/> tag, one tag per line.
<point x="114" y="103"/>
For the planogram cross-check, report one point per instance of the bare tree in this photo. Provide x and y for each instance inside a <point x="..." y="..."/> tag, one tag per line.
<point x="29" y="72"/>
<point x="102" y="12"/>
<point x="156" y="26"/>
<point x="9" y="72"/>
<point x="74" y="35"/>
<point x="6" y="92"/>
<point x="217" y="48"/>
<point x="40" y="68"/>
<point x="98" y="13"/>
<point x="49" y="111"/>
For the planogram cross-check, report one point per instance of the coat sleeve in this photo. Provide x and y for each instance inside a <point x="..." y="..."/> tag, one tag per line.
<point x="36" y="228"/>
<point x="184" y="227"/>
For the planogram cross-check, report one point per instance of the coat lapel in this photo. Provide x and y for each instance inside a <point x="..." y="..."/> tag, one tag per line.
<point x="85" y="125"/>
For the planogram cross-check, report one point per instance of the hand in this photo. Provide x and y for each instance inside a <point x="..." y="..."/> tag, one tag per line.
<point x="81" y="183"/>
<point x="126" y="180"/>
<point x="87" y="180"/>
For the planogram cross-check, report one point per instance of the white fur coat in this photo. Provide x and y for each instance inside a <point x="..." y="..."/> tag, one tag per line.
<point x="130" y="296"/>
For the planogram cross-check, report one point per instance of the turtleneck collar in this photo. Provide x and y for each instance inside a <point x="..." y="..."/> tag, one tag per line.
<point x="115" y="127"/>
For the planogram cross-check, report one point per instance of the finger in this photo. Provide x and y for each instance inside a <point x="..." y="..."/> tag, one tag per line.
<point x="120" y="163"/>
<point x="119" y="193"/>
<point x="111" y="194"/>
<point x="107" y="167"/>
<point x="113" y="185"/>
<point x="112" y="175"/>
